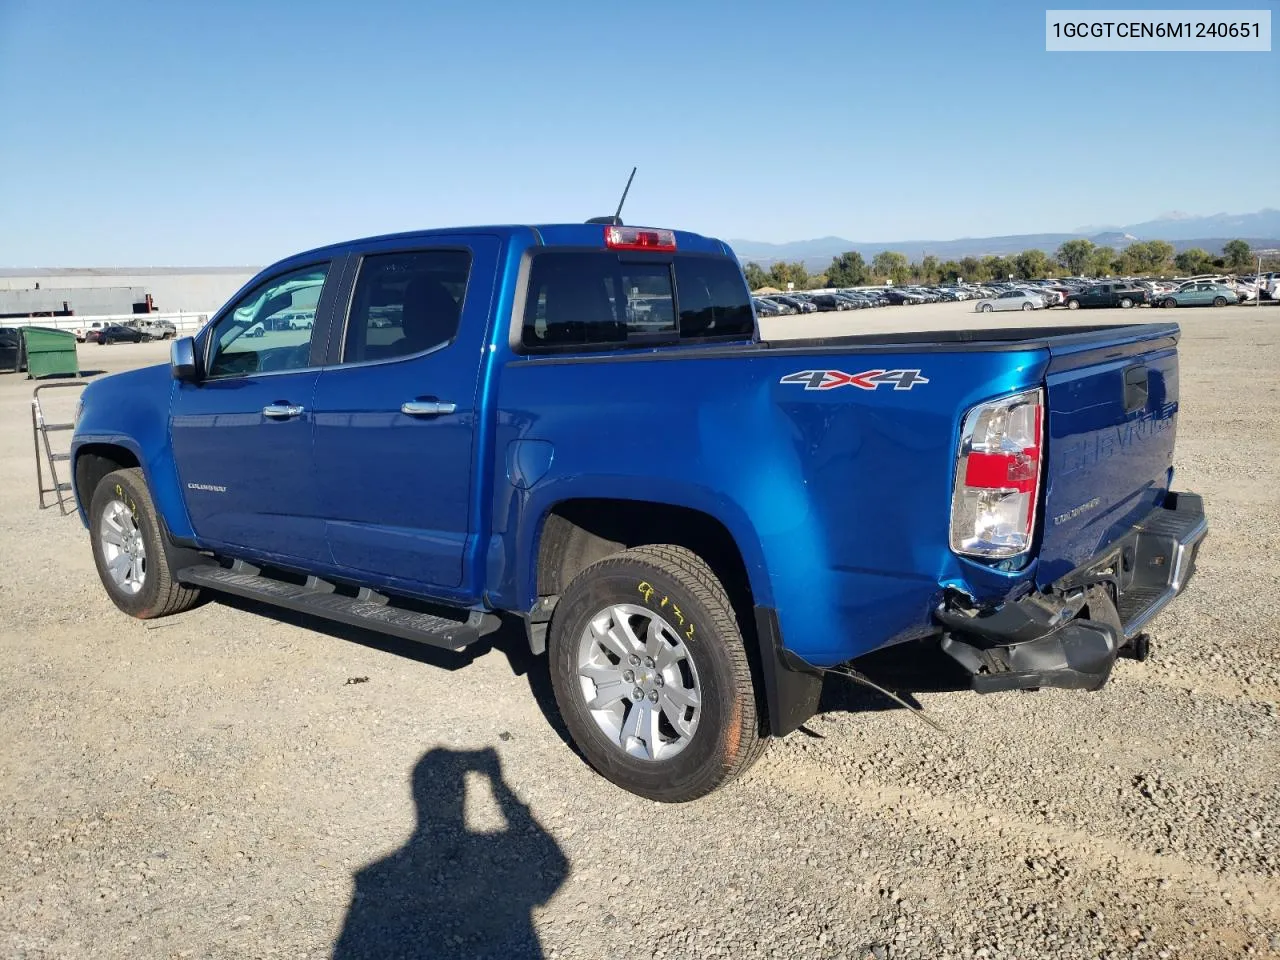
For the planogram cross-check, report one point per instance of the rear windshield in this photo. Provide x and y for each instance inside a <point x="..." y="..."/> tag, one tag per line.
<point x="595" y="298"/>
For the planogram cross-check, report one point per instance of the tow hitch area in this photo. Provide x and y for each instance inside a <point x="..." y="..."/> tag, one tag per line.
<point x="1077" y="652"/>
<point x="1070" y="636"/>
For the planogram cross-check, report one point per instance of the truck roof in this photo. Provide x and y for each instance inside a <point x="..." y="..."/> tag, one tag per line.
<point x="548" y="234"/>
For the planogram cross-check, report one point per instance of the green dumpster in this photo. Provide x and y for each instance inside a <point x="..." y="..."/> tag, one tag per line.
<point x="50" y="352"/>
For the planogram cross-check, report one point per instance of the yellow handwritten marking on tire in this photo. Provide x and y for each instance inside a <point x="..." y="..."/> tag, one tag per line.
<point x="647" y="591"/>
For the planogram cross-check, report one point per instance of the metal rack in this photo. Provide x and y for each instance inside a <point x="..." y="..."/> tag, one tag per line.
<point x="60" y="493"/>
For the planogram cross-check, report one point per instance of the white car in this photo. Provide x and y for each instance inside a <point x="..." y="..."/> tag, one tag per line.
<point x="83" y="332"/>
<point x="1011" y="300"/>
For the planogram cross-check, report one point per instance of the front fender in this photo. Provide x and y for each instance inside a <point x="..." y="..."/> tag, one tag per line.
<point x="131" y="411"/>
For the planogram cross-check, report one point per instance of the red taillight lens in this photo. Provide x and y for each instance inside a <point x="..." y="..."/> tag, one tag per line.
<point x="993" y="506"/>
<point x="639" y="238"/>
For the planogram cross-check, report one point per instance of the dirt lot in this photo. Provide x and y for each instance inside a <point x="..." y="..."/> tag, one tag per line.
<point x="219" y="785"/>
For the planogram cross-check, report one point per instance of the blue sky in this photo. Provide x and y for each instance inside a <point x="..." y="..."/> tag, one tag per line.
<point x="225" y="133"/>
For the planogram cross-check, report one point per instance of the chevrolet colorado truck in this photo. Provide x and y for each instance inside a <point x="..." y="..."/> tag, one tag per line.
<point x="578" y="431"/>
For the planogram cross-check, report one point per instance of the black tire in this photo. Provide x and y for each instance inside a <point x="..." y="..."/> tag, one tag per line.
<point x="1125" y="303"/>
<point x="987" y="308"/>
<point x="1028" y="306"/>
<point x="159" y="595"/>
<point x="1073" y="304"/>
<point x="671" y="582"/>
<point x="1169" y="304"/>
<point x="1219" y="301"/>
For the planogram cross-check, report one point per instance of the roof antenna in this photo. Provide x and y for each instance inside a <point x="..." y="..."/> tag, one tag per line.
<point x="616" y="219"/>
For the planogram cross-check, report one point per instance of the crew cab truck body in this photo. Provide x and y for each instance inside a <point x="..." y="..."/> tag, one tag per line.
<point x="578" y="428"/>
<point x="1124" y="295"/>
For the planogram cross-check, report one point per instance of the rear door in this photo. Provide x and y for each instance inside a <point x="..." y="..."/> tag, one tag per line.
<point x="1112" y="409"/>
<point x="396" y="414"/>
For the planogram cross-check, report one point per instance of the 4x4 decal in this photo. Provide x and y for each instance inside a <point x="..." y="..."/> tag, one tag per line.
<point x="866" y="380"/>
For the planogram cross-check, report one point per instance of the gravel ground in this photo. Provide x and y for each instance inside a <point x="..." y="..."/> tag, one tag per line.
<point x="226" y="784"/>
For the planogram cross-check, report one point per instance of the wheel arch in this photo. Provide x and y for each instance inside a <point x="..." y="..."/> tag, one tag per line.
<point x="93" y="460"/>
<point x="571" y="534"/>
<point x="93" y="457"/>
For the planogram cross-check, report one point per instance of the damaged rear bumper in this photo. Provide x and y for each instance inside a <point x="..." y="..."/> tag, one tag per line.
<point x="1070" y="635"/>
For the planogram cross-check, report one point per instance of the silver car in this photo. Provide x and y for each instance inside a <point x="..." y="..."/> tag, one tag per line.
<point x="1011" y="300"/>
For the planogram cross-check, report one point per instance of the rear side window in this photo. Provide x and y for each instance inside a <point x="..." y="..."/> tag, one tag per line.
<point x="713" y="299"/>
<point x="405" y="303"/>
<point x="599" y="298"/>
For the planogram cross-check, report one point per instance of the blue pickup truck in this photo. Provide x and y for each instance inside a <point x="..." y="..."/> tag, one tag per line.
<point x="578" y="430"/>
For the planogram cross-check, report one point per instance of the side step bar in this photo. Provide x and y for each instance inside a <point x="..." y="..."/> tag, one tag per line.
<point x="369" y="609"/>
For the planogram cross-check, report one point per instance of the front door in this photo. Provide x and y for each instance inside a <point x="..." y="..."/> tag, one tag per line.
<point x="396" y="417"/>
<point x="242" y="432"/>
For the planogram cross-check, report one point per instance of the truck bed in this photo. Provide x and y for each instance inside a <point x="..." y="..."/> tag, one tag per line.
<point x="931" y="317"/>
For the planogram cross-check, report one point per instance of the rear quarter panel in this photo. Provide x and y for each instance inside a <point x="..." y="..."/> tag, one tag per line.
<point x="838" y="498"/>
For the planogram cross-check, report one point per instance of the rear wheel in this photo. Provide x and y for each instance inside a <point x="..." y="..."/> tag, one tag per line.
<point x="1219" y="301"/>
<point x="1125" y="303"/>
<point x="1028" y="306"/>
<point x="651" y="676"/>
<point x="129" y="550"/>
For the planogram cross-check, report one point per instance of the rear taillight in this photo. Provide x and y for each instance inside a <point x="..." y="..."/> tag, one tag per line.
<point x="993" y="508"/>
<point x="639" y="238"/>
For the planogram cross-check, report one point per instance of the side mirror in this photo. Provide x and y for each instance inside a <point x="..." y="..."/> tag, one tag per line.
<point x="182" y="358"/>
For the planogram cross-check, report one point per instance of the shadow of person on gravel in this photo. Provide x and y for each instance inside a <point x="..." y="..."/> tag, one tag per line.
<point x="450" y="892"/>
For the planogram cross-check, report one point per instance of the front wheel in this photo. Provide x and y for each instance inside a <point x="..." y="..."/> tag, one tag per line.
<point x="1169" y="304"/>
<point x="651" y="676"/>
<point x="986" y="308"/>
<point x="1028" y="306"/>
<point x="129" y="551"/>
<point x="1219" y="301"/>
<point x="1073" y="304"/>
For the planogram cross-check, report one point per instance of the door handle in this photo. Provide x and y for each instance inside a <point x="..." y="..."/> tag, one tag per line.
<point x="281" y="411"/>
<point x="426" y="408"/>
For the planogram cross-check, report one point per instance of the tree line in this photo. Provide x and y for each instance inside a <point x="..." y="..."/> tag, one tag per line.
<point x="1075" y="258"/>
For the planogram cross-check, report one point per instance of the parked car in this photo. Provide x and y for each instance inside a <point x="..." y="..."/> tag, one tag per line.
<point x="797" y="304"/>
<point x="82" y="333"/>
<point x="899" y="297"/>
<point x="1120" y="294"/>
<point x="691" y="586"/>
<point x="829" y="301"/>
<point x="119" y="333"/>
<point x="766" y="308"/>
<point x="159" y="329"/>
<point x="1010" y="300"/>
<point x="1200" y="295"/>
<point x="854" y="301"/>
<point x="13" y="354"/>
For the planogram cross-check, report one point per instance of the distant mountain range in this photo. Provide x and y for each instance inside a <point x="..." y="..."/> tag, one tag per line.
<point x="1260" y="229"/>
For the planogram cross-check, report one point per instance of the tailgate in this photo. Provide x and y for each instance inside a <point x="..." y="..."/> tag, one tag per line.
<point x="1112" y="407"/>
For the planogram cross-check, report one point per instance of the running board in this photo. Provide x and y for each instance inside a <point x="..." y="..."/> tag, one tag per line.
<point x="369" y="609"/>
